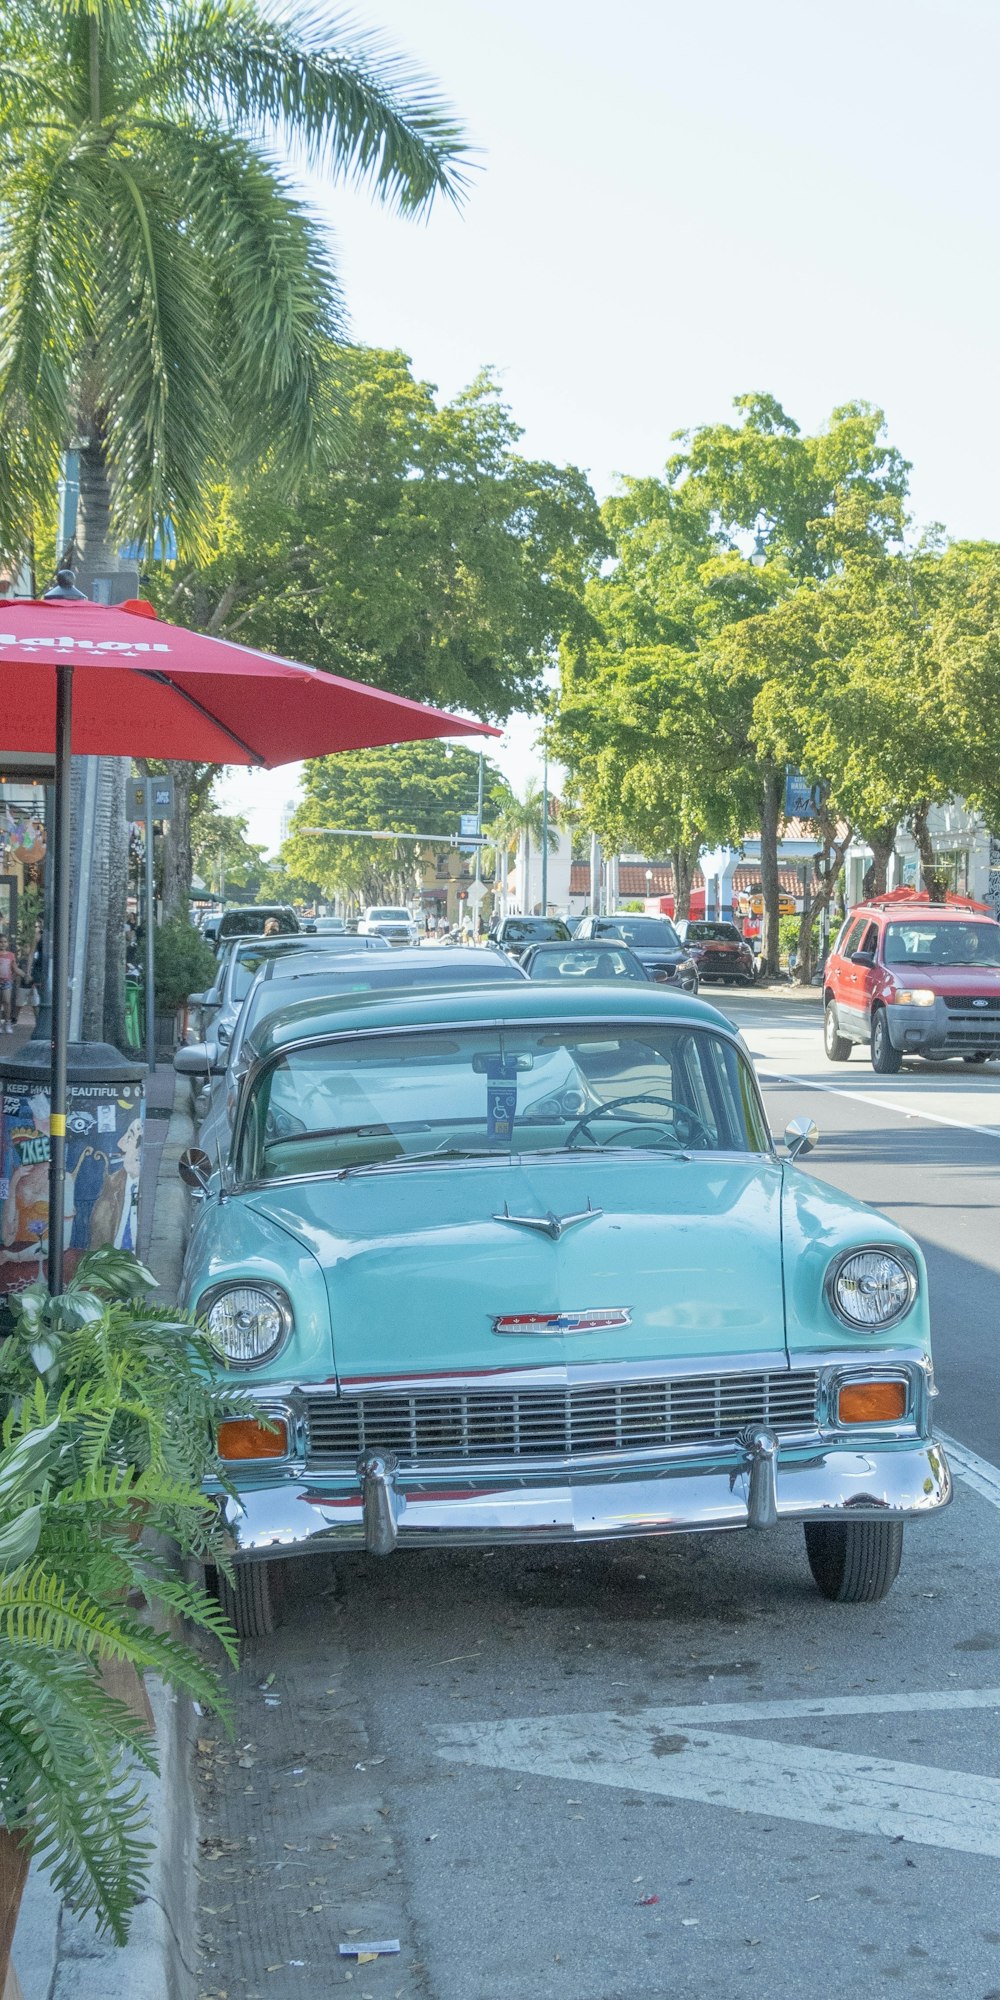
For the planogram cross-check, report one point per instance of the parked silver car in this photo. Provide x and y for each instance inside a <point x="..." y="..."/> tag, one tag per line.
<point x="283" y="979"/>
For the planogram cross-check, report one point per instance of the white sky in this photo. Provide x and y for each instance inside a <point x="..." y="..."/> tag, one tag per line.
<point x="677" y="202"/>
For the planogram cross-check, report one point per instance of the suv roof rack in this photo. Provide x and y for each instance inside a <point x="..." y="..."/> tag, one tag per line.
<point x="919" y="898"/>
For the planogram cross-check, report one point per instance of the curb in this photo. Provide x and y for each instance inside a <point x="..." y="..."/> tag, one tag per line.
<point x="170" y="1215"/>
<point x="58" y="1956"/>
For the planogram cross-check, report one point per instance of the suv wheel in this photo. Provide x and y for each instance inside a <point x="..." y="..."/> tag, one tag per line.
<point x="837" y="1046"/>
<point x="885" y="1059"/>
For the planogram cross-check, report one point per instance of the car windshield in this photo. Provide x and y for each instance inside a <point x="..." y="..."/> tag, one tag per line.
<point x="250" y="923"/>
<point x="921" y="941"/>
<point x="392" y="1099"/>
<point x="713" y="934"/>
<point x="389" y="916"/>
<point x="641" y="931"/>
<point x="248" y="961"/>
<point x="528" y="930"/>
<point x="601" y="961"/>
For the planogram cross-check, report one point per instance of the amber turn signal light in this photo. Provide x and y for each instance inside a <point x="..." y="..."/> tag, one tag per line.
<point x="244" y="1437"/>
<point x="871" y="1402"/>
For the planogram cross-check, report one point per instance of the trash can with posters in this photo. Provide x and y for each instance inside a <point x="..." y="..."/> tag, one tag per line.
<point x="104" y="1132"/>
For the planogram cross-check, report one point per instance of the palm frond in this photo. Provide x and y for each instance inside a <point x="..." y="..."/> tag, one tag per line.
<point x="39" y="330"/>
<point x="351" y="102"/>
<point x="154" y="340"/>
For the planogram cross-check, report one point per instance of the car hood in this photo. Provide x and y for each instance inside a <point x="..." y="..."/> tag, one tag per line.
<point x="418" y="1266"/>
<point x="950" y="981"/>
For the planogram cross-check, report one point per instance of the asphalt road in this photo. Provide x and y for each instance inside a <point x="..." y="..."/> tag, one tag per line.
<point x="663" y="1770"/>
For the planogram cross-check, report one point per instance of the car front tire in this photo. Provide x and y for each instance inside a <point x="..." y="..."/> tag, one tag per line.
<point x="248" y="1601"/>
<point x="837" y="1046"/>
<point x="886" y="1060"/>
<point x="854" y="1562"/>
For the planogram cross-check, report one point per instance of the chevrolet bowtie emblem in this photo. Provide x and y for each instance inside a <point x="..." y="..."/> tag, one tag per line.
<point x="550" y="1225"/>
<point x="585" y="1319"/>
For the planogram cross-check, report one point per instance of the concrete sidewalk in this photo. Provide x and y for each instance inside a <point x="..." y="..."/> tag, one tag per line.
<point x="58" y="1957"/>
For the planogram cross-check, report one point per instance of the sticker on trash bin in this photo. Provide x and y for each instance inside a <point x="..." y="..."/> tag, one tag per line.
<point x="104" y="1129"/>
<point x="501" y="1096"/>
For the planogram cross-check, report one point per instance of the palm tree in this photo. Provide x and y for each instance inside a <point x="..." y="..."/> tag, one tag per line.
<point x="515" y="827"/>
<point x="167" y="304"/>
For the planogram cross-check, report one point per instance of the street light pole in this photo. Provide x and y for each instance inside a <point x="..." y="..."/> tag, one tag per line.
<point x="545" y="821"/>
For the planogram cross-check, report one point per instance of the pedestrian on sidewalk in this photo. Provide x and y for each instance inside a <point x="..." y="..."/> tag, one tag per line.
<point x="8" y="983"/>
<point x="36" y="966"/>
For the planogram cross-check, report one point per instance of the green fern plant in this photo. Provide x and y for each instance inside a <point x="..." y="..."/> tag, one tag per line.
<point x="67" y="1565"/>
<point x="108" y="1413"/>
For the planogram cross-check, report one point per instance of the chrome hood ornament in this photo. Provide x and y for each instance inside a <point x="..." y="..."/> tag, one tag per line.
<point x="550" y="1225"/>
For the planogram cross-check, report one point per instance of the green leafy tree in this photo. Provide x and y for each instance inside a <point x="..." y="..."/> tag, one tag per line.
<point x="808" y="502"/>
<point x="407" y="788"/>
<point x="166" y="298"/>
<point x="661" y="716"/>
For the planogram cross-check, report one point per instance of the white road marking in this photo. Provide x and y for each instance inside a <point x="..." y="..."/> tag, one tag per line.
<point x="670" y="1752"/>
<point x="864" y="1097"/>
<point x="976" y="1472"/>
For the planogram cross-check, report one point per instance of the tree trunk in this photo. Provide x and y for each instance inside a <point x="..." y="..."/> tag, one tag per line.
<point x="106" y="868"/>
<point x="935" y="880"/>
<point x="683" y="861"/>
<point x="770" y="805"/>
<point x="882" y="841"/>
<point x="178" y="861"/>
<point x="833" y="854"/>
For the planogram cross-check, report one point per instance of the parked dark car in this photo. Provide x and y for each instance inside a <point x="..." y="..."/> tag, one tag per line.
<point x="654" y="942"/>
<point x="248" y="920"/>
<point x="611" y="963"/>
<point x="719" y="950"/>
<point x="514" y="934"/>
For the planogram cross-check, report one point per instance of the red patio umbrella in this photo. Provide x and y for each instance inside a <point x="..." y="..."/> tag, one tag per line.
<point x="96" y="680"/>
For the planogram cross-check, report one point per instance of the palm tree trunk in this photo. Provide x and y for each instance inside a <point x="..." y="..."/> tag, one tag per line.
<point x="105" y="870"/>
<point x="178" y="860"/>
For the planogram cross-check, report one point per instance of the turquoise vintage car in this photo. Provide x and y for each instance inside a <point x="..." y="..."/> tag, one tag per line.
<point x="521" y="1264"/>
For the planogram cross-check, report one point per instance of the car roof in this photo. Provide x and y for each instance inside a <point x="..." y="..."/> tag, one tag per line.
<point x="465" y="962"/>
<point x="567" y="946"/>
<point x="493" y="1006"/>
<point x="922" y="906"/>
<point x="272" y="947"/>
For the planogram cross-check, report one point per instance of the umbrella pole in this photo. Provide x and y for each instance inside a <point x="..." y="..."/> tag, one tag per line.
<point x="60" y="974"/>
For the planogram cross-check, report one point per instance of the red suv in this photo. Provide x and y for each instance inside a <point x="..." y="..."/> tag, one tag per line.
<point x="912" y="977"/>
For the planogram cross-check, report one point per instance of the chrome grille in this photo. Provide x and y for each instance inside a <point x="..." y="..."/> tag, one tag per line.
<point x="441" y="1426"/>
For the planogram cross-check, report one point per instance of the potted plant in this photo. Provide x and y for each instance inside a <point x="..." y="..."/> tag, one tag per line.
<point x="109" y="1408"/>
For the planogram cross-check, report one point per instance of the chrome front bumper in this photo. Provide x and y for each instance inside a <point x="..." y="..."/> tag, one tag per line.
<point x="757" y="1484"/>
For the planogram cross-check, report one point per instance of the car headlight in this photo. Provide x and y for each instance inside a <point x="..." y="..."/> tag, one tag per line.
<point x="687" y="970"/>
<point x="872" y="1288"/>
<point x="914" y="996"/>
<point x="249" y="1322"/>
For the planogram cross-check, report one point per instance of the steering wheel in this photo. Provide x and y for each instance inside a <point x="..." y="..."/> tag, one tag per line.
<point x="682" y="1112"/>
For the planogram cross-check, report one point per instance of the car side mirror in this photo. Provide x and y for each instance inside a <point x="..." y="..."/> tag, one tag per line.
<point x="195" y="1169"/>
<point x="199" y="1059"/>
<point x="863" y="958"/>
<point x="801" y="1136"/>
